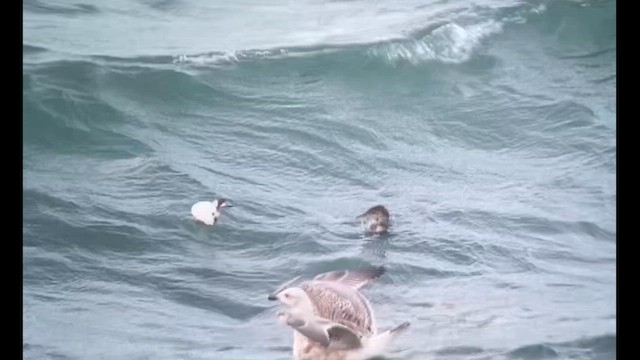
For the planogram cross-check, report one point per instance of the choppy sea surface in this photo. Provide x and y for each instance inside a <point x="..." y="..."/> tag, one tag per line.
<point x="488" y="128"/>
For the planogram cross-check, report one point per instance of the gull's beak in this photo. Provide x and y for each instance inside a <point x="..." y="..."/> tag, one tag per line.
<point x="274" y="295"/>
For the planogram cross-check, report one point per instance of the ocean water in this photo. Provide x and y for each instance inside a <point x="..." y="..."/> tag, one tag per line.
<point x="488" y="128"/>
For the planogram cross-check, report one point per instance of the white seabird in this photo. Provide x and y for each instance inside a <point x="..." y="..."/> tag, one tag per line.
<point x="208" y="212"/>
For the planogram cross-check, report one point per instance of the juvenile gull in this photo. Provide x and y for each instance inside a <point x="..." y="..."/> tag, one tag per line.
<point x="375" y="220"/>
<point x="331" y="319"/>
<point x="208" y="212"/>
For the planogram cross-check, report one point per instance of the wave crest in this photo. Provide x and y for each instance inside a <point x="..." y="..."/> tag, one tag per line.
<point x="451" y="43"/>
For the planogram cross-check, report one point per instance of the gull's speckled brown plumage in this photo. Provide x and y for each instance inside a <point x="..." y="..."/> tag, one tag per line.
<point x="335" y="297"/>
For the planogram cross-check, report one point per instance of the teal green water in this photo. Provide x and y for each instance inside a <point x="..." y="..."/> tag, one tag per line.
<point x="487" y="128"/>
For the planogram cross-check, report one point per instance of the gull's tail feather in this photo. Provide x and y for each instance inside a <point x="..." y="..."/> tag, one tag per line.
<point x="377" y="345"/>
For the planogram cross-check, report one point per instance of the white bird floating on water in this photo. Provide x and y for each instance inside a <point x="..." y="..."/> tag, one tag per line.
<point x="331" y="319"/>
<point x="208" y="212"/>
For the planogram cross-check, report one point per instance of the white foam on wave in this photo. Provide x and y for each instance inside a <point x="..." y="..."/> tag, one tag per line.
<point x="456" y="42"/>
<point x="451" y="43"/>
<point x="227" y="57"/>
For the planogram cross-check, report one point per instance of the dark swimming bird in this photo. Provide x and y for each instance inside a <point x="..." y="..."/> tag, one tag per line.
<point x="375" y="220"/>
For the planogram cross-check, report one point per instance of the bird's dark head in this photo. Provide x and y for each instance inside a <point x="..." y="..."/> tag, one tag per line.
<point x="222" y="202"/>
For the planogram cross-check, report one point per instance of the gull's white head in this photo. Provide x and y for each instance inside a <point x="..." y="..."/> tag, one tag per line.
<point x="292" y="297"/>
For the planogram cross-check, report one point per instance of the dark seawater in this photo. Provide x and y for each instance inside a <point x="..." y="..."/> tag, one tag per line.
<point x="487" y="127"/>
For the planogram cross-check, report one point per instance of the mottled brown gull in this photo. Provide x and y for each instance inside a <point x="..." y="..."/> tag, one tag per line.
<point x="331" y="318"/>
